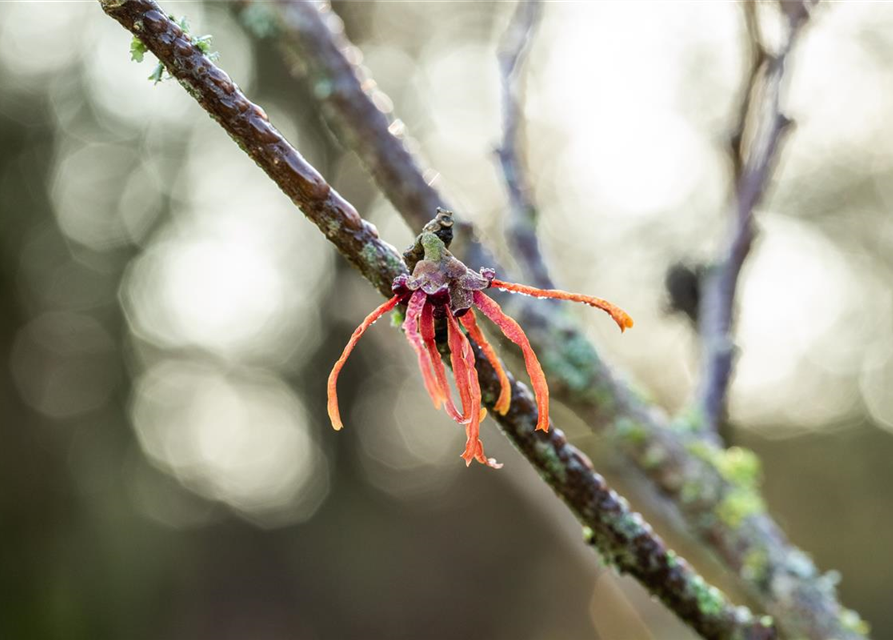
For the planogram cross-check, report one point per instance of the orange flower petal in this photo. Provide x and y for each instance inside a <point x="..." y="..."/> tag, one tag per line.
<point x="427" y="325"/>
<point x="619" y="316"/>
<point x="505" y="390"/>
<point x="332" y="405"/>
<point x="481" y="457"/>
<point x="411" y="328"/>
<point x="513" y="332"/>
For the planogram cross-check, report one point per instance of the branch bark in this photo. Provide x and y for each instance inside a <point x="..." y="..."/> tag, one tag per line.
<point x="621" y="535"/>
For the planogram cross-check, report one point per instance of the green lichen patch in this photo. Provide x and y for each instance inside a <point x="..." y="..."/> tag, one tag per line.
<point x="260" y="21"/>
<point x="672" y="559"/>
<point x="550" y="460"/>
<point x="852" y="621"/>
<point x="373" y="257"/>
<point x="711" y="601"/>
<point x="138" y="50"/>
<point x="737" y="505"/>
<point x="631" y="432"/>
<point x="572" y="361"/>
<point x="653" y="456"/>
<point x="740" y="466"/>
<point x="628" y="525"/>
<point x="737" y="465"/>
<point x="689" y="421"/>
<point x="755" y="566"/>
<point x="690" y="492"/>
<point x="398" y="316"/>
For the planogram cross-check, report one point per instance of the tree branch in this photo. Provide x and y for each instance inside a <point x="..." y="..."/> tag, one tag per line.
<point x="621" y="535"/>
<point x="753" y="160"/>
<point x="522" y="221"/>
<point x="622" y="538"/>
<point x="719" y="503"/>
<point x="248" y="125"/>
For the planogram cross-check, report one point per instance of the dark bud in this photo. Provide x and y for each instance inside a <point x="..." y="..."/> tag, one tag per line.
<point x="441" y="226"/>
<point x="683" y="284"/>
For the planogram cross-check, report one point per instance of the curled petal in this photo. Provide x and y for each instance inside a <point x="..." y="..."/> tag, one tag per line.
<point x="481" y="457"/>
<point x="467" y="378"/>
<point x="513" y="332"/>
<point x="332" y="405"/>
<point x="505" y="390"/>
<point x="619" y="316"/>
<point x="411" y="328"/>
<point x="427" y="326"/>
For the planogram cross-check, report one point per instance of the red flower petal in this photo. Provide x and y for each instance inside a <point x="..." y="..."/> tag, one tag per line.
<point x="505" y="390"/>
<point x="459" y="361"/>
<point x="411" y="328"/>
<point x="332" y="405"/>
<point x="427" y="326"/>
<point x="620" y="316"/>
<point x="513" y="332"/>
<point x="467" y="378"/>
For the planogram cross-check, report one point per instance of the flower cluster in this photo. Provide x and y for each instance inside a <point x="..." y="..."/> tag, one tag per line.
<point x="443" y="289"/>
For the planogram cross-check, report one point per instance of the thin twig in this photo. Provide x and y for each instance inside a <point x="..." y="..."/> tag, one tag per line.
<point x="522" y="221"/>
<point x="621" y="535"/>
<point x="757" y="55"/>
<point x="754" y="160"/>
<point x="692" y="475"/>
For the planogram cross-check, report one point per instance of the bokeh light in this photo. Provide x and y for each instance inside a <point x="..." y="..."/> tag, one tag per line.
<point x="245" y="440"/>
<point x="64" y="364"/>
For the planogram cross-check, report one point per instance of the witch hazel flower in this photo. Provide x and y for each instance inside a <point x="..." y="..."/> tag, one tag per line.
<point x="442" y="290"/>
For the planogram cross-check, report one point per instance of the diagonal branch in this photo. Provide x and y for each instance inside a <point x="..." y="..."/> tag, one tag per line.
<point x="248" y="125"/>
<point x="718" y="503"/>
<point x="754" y="158"/>
<point x="621" y="535"/>
<point x="346" y="99"/>
<point x="522" y="221"/>
<point x="624" y="540"/>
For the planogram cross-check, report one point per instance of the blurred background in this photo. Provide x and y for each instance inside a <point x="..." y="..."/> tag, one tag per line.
<point x="167" y="321"/>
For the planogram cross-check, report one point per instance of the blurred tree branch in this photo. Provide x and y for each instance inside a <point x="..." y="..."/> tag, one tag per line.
<point x="754" y="150"/>
<point x="700" y="478"/>
<point x="522" y="221"/>
<point x="621" y="535"/>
